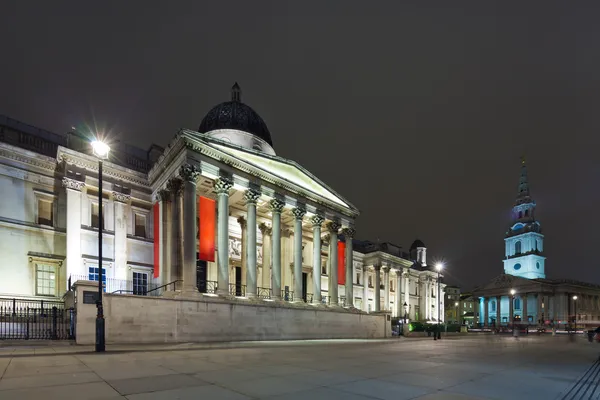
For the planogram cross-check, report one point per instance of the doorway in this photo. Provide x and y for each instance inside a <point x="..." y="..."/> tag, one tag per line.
<point x="304" y="285"/>
<point x="238" y="281"/>
<point x="201" y="275"/>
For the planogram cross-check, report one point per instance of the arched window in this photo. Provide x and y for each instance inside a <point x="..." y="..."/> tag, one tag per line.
<point x="493" y="306"/>
<point x="517" y="304"/>
<point x="518" y="247"/>
<point x="537" y="265"/>
<point x="520" y="214"/>
<point x="526" y="213"/>
<point x="517" y="266"/>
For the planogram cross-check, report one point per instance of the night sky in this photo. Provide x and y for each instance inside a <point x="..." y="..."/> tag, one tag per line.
<point x="417" y="112"/>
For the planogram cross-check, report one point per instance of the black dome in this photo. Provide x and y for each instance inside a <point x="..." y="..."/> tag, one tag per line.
<point x="417" y="243"/>
<point x="235" y="115"/>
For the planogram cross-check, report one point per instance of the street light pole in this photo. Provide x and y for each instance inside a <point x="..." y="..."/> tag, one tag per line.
<point x="512" y="310"/>
<point x="405" y="309"/>
<point x="439" y="267"/>
<point x="101" y="151"/>
<point x="457" y="316"/>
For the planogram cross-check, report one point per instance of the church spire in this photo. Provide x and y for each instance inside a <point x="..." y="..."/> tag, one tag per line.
<point x="523" y="196"/>
<point x="236" y="93"/>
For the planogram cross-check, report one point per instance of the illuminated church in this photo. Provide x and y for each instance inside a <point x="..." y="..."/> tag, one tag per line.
<point x="536" y="299"/>
<point x="217" y="213"/>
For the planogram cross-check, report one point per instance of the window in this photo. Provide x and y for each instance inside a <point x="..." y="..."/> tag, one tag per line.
<point x="517" y="266"/>
<point x="518" y="247"/>
<point x="45" y="280"/>
<point x="95" y="216"/>
<point x="520" y="214"/>
<point x="45" y="212"/>
<point x="517" y="304"/>
<point x="93" y="275"/>
<point x="324" y="269"/>
<point x="537" y="265"/>
<point x="140" y="225"/>
<point x="526" y="213"/>
<point x="358" y="278"/>
<point x="370" y="281"/>
<point x="493" y="306"/>
<point x="140" y="283"/>
<point x="391" y="286"/>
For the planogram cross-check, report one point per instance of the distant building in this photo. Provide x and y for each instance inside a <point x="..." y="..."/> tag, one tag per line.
<point x="536" y="299"/>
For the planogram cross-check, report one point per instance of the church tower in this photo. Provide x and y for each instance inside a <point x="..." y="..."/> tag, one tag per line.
<point x="524" y="241"/>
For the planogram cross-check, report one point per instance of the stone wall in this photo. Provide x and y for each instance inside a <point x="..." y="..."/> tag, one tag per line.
<point x="139" y="319"/>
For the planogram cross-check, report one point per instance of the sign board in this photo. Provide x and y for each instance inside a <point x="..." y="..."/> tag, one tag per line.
<point x="90" y="297"/>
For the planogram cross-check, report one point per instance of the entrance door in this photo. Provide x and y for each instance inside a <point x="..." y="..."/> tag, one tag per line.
<point x="201" y="275"/>
<point x="238" y="281"/>
<point x="304" y="285"/>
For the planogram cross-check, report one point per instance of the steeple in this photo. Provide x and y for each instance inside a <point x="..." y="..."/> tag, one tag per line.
<point x="523" y="196"/>
<point x="236" y="93"/>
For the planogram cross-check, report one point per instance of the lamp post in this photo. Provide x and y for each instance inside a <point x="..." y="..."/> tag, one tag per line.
<point x="512" y="310"/>
<point x="439" y="267"/>
<point x="457" y="319"/>
<point x="405" y="311"/>
<point x="100" y="150"/>
<point x="575" y="310"/>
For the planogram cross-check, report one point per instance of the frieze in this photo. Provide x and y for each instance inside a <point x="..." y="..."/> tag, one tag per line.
<point x="13" y="155"/>
<point x="107" y="171"/>
<point x="235" y="248"/>
<point x="121" y="197"/>
<point x="73" y="184"/>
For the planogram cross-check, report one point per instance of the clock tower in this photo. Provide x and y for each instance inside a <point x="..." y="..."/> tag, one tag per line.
<point x="524" y="242"/>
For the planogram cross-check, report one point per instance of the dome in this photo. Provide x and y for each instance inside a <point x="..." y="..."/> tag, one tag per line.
<point x="235" y="115"/>
<point x="416" y="244"/>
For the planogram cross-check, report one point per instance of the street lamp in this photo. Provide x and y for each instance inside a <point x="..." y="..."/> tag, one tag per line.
<point x="100" y="150"/>
<point x="512" y="309"/>
<point x="439" y="267"/>
<point x="575" y="309"/>
<point x="456" y="306"/>
<point x="405" y="311"/>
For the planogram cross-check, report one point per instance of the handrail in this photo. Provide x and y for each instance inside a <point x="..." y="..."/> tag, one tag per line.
<point x="165" y="285"/>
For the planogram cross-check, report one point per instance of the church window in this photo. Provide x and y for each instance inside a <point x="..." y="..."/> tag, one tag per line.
<point x="526" y="213"/>
<point x="517" y="266"/>
<point x="493" y="306"/>
<point x="517" y="304"/>
<point x="95" y="216"/>
<point x="520" y="214"/>
<point x="45" y="280"/>
<point x="518" y="247"/>
<point x="140" y="225"/>
<point x="537" y="265"/>
<point x="45" y="212"/>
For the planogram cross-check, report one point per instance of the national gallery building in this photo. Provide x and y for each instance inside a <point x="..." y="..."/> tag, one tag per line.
<point x="217" y="213"/>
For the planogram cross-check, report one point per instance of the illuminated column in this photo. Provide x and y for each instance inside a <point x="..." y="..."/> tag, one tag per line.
<point x="165" y="236"/>
<point x="540" y="301"/>
<point x="427" y="301"/>
<point x="317" y="221"/>
<point x="365" y="281"/>
<point x="175" y="186"/>
<point x="266" y="259"/>
<point x="221" y="187"/>
<point x="190" y="175"/>
<point x="243" y="257"/>
<point x="386" y="285"/>
<point x="486" y="308"/>
<point x="276" y="208"/>
<point x="524" y="317"/>
<point x="511" y="307"/>
<point x="74" y="265"/>
<point x="121" y="217"/>
<point x="333" y="228"/>
<point x="298" y="215"/>
<point x="406" y="275"/>
<point x="349" y="235"/>
<point x="377" y="287"/>
<point x="251" y="197"/>
<point x="399" y="304"/>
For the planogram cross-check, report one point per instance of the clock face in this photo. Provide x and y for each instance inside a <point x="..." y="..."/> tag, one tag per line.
<point x="516" y="227"/>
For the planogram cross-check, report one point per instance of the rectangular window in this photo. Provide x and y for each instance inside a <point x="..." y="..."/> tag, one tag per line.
<point x="95" y="215"/>
<point x="358" y="278"/>
<point x="45" y="280"/>
<point x="93" y="273"/>
<point x="370" y="281"/>
<point x="140" y="225"/>
<point x="324" y="268"/>
<point x="140" y="283"/>
<point x="45" y="212"/>
<point x="391" y="286"/>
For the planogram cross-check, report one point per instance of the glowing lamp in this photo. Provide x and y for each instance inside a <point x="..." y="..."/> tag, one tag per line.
<point x="100" y="149"/>
<point x="439" y="266"/>
<point x="512" y="292"/>
<point x="574" y="297"/>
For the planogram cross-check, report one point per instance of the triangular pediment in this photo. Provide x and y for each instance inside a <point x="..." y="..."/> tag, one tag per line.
<point x="506" y="281"/>
<point x="286" y="170"/>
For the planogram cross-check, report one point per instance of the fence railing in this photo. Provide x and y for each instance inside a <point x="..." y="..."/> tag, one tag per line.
<point x="207" y="286"/>
<point x="263" y="293"/>
<point x="35" y="320"/>
<point x="236" y="289"/>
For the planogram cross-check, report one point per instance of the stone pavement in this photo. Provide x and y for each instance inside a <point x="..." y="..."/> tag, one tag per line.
<point x="473" y="367"/>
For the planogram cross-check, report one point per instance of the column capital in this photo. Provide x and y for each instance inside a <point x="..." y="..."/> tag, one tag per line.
<point x="121" y="197"/>
<point x="251" y="196"/>
<point x="326" y="238"/>
<point x="242" y="221"/>
<point x="163" y="195"/>
<point x="377" y="267"/>
<point x="298" y="213"/>
<point x="317" y="220"/>
<point x="222" y="185"/>
<point x="333" y="226"/>
<point x="399" y="273"/>
<point x="286" y="232"/>
<point x="175" y="186"/>
<point x="276" y="205"/>
<point x="189" y="173"/>
<point x="265" y="229"/>
<point x="349" y="232"/>
<point x="73" y="184"/>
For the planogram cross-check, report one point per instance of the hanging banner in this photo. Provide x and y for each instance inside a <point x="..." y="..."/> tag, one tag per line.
<point x="206" y="228"/>
<point x="157" y="241"/>
<point x="341" y="263"/>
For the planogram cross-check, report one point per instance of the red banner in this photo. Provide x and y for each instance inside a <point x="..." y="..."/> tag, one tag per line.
<point x="341" y="263"/>
<point x="156" y="240"/>
<point x="206" y="228"/>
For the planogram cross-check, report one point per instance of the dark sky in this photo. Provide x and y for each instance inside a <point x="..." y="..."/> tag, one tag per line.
<point x="416" y="111"/>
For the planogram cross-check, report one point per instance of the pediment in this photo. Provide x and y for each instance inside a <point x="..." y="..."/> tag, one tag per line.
<point x="506" y="281"/>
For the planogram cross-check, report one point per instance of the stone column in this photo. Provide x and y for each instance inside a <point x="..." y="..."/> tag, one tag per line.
<point x="427" y="298"/>
<point x="386" y="284"/>
<point x="243" y="257"/>
<point x="298" y="215"/>
<point x="222" y="186"/>
<point x="333" y="227"/>
<point x="266" y="245"/>
<point x="276" y="208"/>
<point x="249" y="250"/>
<point x="406" y="275"/>
<point x="349" y="235"/>
<point x="399" y="304"/>
<point x="540" y="300"/>
<point x="511" y="307"/>
<point x="498" y="311"/>
<point x="476" y="312"/>
<point x="74" y="265"/>
<point x="377" y="287"/>
<point x="486" y="319"/>
<point x="365" y="277"/>
<point x="524" y="317"/>
<point x="190" y="175"/>
<point x="165" y="235"/>
<point x="317" y="221"/>
<point x="175" y="186"/>
<point x="121" y="217"/>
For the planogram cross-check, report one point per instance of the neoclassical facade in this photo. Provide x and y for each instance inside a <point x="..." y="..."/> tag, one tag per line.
<point x="537" y="300"/>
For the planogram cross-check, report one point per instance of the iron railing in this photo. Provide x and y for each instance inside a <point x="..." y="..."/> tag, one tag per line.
<point x="160" y="290"/>
<point x="118" y="286"/>
<point x="35" y="320"/>
<point x="263" y="293"/>
<point x="237" y="289"/>
<point x="207" y="286"/>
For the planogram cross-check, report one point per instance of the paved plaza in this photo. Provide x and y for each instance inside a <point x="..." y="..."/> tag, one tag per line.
<point x="474" y="367"/>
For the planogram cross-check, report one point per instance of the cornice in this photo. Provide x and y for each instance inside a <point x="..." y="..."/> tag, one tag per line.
<point x="27" y="157"/>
